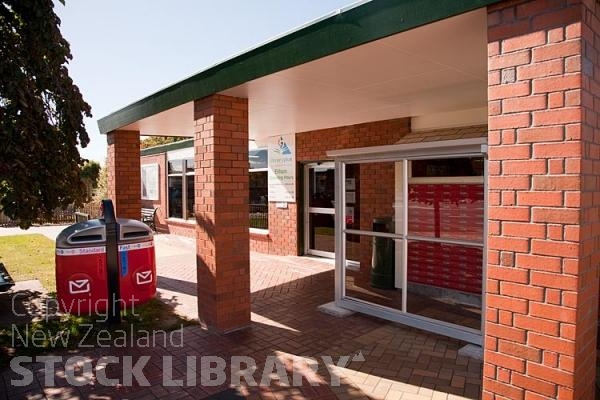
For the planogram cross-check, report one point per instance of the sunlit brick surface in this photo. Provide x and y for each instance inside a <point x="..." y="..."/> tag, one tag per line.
<point x="542" y="286"/>
<point x="123" y="166"/>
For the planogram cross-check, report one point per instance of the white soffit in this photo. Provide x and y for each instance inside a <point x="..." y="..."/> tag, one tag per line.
<point x="177" y="121"/>
<point x="436" y="68"/>
<point x="450" y="119"/>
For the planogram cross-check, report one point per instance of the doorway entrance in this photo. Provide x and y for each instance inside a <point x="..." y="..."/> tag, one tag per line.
<point x="319" y="209"/>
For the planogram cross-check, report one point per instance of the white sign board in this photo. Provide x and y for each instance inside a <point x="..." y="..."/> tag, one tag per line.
<point x="150" y="182"/>
<point x="282" y="168"/>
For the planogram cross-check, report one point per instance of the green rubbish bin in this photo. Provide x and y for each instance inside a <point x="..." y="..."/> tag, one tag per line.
<point x="383" y="261"/>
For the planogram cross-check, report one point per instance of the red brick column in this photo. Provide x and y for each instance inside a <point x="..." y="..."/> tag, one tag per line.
<point x="222" y="230"/>
<point x="123" y="165"/>
<point x="542" y="281"/>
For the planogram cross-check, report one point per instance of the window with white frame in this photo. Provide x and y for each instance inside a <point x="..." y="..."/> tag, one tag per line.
<point x="259" y="189"/>
<point x="180" y="181"/>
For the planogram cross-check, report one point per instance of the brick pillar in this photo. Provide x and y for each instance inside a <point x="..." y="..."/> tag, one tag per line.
<point x="123" y="166"/>
<point x="543" y="251"/>
<point x="222" y="230"/>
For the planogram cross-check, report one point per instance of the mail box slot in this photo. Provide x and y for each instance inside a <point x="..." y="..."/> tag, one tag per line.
<point x="81" y="270"/>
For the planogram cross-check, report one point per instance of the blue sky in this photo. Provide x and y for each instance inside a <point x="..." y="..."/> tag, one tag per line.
<point x="126" y="50"/>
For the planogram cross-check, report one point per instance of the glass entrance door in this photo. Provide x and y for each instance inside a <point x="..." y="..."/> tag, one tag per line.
<point x="319" y="216"/>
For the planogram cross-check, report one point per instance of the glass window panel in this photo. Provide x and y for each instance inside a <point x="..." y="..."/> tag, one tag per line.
<point x="175" y="197"/>
<point x="189" y="165"/>
<point x="259" y="216"/>
<point x="353" y="247"/>
<point x="321" y="187"/>
<point x="259" y="188"/>
<point x="258" y="158"/>
<point x="376" y="193"/>
<point x="322" y="232"/>
<point x="259" y="200"/>
<point x="375" y="276"/>
<point x="190" y="200"/>
<point x="352" y="196"/>
<point x="449" y="211"/>
<point x="175" y="167"/>
<point x="447" y="167"/>
<point x="444" y="282"/>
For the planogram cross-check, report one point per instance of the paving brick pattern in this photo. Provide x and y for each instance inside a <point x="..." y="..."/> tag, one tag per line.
<point x="399" y="362"/>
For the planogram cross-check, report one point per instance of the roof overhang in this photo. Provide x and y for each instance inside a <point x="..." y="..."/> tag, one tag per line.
<point x="443" y="148"/>
<point x="165" y="112"/>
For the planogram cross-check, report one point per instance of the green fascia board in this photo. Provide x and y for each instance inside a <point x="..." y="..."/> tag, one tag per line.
<point x="357" y="25"/>
<point x="163" y="148"/>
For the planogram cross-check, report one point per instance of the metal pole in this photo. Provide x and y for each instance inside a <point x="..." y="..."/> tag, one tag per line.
<point x="112" y="263"/>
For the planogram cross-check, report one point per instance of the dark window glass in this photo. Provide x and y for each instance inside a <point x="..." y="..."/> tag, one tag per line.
<point x="189" y="165"/>
<point x="190" y="196"/>
<point x="321" y="187"/>
<point x="175" y="167"/>
<point x="259" y="200"/>
<point x="259" y="189"/>
<point x="447" y="167"/>
<point x="175" y="197"/>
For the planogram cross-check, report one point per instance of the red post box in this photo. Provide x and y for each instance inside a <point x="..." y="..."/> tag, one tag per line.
<point x="81" y="286"/>
<point x="137" y="265"/>
<point x="81" y="270"/>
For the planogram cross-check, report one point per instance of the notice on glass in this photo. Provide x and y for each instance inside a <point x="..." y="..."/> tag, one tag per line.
<point x="350" y="184"/>
<point x="350" y="197"/>
<point x="282" y="168"/>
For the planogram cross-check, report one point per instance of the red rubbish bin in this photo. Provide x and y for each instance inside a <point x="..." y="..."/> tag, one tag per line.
<point x="81" y="287"/>
<point x="137" y="265"/>
<point x="81" y="270"/>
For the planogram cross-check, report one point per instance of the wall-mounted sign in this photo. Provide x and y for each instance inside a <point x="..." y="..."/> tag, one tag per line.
<point x="282" y="168"/>
<point x="150" y="182"/>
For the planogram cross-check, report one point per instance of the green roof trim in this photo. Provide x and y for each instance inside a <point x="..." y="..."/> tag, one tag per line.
<point x="353" y="26"/>
<point x="163" y="148"/>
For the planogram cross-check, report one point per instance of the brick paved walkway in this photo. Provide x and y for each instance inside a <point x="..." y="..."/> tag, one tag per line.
<point x="286" y="332"/>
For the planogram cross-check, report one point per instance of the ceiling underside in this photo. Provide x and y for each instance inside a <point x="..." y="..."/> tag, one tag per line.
<point x="440" y="67"/>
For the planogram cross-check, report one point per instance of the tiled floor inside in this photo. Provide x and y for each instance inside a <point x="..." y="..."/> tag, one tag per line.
<point x="383" y="360"/>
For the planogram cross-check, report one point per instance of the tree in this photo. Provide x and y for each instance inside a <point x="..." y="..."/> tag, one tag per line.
<point x="158" y="140"/>
<point x="90" y="172"/>
<point x="102" y="186"/>
<point x="41" y="114"/>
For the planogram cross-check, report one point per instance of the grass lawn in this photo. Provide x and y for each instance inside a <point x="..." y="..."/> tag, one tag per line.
<point x="29" y="257"/>
<point x="32" y="257"/>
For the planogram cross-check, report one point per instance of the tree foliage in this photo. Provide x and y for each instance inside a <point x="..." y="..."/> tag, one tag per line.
<point x="41" y="114"/>
<point x="102" y="186"/>
<point x="158" y="140"/>
<point x="90" y="171"/>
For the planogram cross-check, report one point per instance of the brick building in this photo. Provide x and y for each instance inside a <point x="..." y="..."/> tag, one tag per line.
<point x="446" y="154"/>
